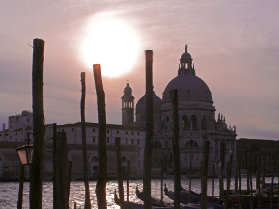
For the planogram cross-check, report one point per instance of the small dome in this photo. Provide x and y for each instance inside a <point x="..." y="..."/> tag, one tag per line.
<point x="189" y="87"/>
<point x="141" y="104"/>
<point x="127" y="90"/>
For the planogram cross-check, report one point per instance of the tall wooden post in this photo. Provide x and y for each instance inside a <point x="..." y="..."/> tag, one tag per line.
<point x="162" y="179"/>
<point x="119" y="171"/>
<point x="61" y="177"/>
<point x="221" y="169"/>
<point x="102" y="174"/>
<point x="20" y="188"/>
<point x="190" y="180"/>
<point x="229" y="169"/>
<point x="176" y="151"/>
<point x="36" y="182"/>
<point x="239" y="177"/>
<point x="84" y="148"/>
<point x="128" y="179"/>
<point x="204" y="175"/>
<point x="54" y="166"/>
<point x="149" y="131"/>
<point x="213" y="177"/>
<point x="236" y="176"/>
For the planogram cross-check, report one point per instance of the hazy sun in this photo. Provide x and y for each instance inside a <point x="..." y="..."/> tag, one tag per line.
<point x="111" y="42"/>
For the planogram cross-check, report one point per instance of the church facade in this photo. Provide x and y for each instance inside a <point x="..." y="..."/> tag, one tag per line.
<point x="198" y="123"/>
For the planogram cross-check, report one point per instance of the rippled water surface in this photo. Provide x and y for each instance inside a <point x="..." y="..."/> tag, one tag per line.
<point x="9" y="192"/>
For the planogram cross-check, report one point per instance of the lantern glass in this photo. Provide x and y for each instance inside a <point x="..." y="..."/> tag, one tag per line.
<point x="25" y="153"/>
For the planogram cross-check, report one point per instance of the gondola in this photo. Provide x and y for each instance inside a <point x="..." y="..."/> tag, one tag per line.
<point x="132" y="205"/>
<point x="195" y="197"/>
<point x="154" y="201"/>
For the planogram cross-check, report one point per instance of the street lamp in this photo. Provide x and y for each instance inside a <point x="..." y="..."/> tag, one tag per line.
<point x="25" y="152"/>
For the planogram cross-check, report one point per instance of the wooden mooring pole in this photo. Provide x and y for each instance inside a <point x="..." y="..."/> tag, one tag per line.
<point x="149" y="130"/>
<point x="221" y="169"/>
<point x="213" y="168"/>
<point x="61" y="175"/>
<point x="190" y="180"/>
<point x="204" y="175"/>
<point x="162" y="179"/>
<point x="176" y="151"/>
<point x="54" y="129"/>
<point x="128" y="179"/>
<point x="102" y="174"/>
<point x="87" y="204"/>
<point x="36" y="180"/>
<point x="20" y="188"/>
<point x="119" y="171"/>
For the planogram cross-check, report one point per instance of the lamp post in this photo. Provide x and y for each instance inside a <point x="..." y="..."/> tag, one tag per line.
<point x="24" y="153"/>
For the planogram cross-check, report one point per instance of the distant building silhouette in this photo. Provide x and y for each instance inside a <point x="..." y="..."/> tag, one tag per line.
<point x="197" y="124"/>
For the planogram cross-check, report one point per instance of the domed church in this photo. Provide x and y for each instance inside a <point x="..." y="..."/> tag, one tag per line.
<point x="197" y="121"/>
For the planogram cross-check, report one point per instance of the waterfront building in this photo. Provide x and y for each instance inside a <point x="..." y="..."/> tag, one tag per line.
<point x="198" y="123"/>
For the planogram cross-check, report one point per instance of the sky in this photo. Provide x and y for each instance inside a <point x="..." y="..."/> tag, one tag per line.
<point x="234" y="45"/>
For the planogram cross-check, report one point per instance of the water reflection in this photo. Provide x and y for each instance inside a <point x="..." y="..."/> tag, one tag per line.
<point x="9" y="191"/>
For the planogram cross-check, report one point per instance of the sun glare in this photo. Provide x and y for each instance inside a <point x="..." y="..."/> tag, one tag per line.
<point x="111" y="42"/>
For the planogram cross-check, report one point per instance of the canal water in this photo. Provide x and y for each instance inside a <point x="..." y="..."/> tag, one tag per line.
<point x="9" y="192"/>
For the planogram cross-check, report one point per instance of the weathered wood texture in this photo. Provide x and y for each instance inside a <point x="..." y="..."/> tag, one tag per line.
<point x="36" y="181"/>
<point x="119" y="170"/>
<point x="102" y="173"/>
<point x="61" y="176"/>
<point x="87" y="204"/>
<point x="149" y="130"/>
<point x="176" y="151"/>
<point x="204" y="175"/>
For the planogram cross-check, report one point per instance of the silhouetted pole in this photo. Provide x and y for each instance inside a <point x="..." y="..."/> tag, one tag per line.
<point x="272" y="181"/>
<point x="20" y="189"/>
<point x="213" y="168"/>
<point x="128" y="179"/>
<point x="54" y="166"/>
<point x="84" y="149"/>
<point x="204" y="175"/>
<point x="119" y="171"/>
<point x="36" y="181"/>
<point x="190" y="180"/>
<point x="236" y="176"/>
<point x="221" y="169"/>
<point x="102" y="174"/>
<point x="61" y="177"/>
<point x="247" y="176"/>
<point x="176" y="152"/>
<point x="148" y="131"/>
<point x="258" y="180"/>
<point x="239" y="177"/>
<point x="229" y="172"/>
<point x="162" y="179"/>
<point x="69" y="180"/>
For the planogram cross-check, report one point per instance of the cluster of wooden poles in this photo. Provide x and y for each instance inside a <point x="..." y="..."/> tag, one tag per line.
<point x="62" y="170"/>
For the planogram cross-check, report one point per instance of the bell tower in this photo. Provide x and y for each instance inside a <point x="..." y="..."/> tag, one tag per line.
<point x="127" y="106"/>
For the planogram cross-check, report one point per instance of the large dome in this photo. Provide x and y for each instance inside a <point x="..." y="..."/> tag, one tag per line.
<point x="141" y="104"/>
<point x="189" y="87"/>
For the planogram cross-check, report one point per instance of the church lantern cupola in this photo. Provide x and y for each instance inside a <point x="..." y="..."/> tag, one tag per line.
<point x="185" y="66"/>
<point x="127" y="106"/>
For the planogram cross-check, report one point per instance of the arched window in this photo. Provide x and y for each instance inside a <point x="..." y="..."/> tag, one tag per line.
<point x="185" y="122"/>
<point x="194" y="122"/>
